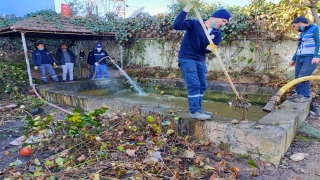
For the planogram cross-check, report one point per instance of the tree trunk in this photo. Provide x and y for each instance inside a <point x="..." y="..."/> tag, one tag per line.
<point x="315" y="15"/>
<point x="313" y="4"/>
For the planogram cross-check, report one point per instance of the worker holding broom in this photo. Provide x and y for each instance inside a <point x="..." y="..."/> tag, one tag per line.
<point x="192" y="54"/>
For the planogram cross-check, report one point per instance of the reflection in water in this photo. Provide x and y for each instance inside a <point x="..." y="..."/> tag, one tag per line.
<point x="178" y="103"/>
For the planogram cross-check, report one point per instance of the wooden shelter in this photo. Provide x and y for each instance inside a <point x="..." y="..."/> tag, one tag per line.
<point x="39" y="27"/>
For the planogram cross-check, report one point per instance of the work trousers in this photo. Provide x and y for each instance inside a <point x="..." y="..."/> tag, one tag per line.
<point x="68" y="67"/>
<point x="44" y="68"/>
<point x="102" y="68"/>
<point x="194" y="75"/>
<point x="303" y="68"/>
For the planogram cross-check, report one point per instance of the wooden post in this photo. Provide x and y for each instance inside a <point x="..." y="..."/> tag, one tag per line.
<point x="26" y="56"/>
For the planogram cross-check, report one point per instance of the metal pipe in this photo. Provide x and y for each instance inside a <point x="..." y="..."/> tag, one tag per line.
<point x="26" y="56"/>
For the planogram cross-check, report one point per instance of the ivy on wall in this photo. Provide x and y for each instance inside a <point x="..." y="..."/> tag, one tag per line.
<point x="259" y="20"/>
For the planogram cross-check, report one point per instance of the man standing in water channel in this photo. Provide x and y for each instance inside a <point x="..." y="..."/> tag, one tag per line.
<point x="192" y="54"/>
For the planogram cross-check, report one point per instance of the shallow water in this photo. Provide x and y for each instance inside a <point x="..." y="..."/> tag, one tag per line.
<point x="179" y="103"/>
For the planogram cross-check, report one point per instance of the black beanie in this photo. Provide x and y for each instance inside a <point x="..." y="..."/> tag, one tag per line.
<point x="300" y="19"/>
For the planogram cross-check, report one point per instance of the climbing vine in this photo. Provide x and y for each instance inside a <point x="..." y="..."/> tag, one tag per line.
<point x="259" y="21"/>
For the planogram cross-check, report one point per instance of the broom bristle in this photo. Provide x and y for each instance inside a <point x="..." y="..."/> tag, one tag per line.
<point x="309" y="130"/>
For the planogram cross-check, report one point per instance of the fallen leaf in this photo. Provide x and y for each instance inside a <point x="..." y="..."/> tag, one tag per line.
<point x="82" y="158"/>
<point x="47" y="162"/>
<point x="258" y="127"/>
<point x="223" y="163"/>
<point x="98" y="138"/>
<point x="153" y="157"/>
<point x="235" y="170"/>
<point x="166" y="123"/>
<point x="7" y="153"/>
<point x="121" y="148"/>
<point x="52" y="147"/>
<point x="189" y="154"/>
<point x="175" y="176"/>
<point x="95" y="176"/>
<point x="207" y="143"/>
<point x="207" y="167"/>
<point x="227" y="153"/>
<point x="197" y="159"/>
<point x="131" y="152"/>
<point x="150" y="119"/>
<point x="59" y="161"/>
<point x="214" y="176"/>
<point x="16" y="163"/>
<point x="169" y="132"/>
<point x="219" y="155"/>
<point x="16" y="174"/>
<point x="36" y="161"/>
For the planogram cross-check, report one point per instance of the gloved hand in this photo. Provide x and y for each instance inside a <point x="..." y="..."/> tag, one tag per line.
<point x="36" y="68"/>
<point x="54" y="65"/>
<point x="191" y="4"/>
<point x="97" y="64"/>
<point x="112" y="61"/>
<point x="212" y="47"/>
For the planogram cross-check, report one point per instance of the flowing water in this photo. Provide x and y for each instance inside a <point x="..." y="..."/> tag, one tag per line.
<point x="132" y="82"/>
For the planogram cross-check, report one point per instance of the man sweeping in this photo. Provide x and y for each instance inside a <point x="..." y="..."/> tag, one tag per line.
<point x="192" y="54"/>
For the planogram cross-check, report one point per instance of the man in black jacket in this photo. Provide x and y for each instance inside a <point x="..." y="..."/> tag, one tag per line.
<point x="91" y="63"/>
<point x="66" y="59"/>
<point x="42" y="60"/>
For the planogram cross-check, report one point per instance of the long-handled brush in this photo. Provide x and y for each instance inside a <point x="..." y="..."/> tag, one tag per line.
<point x="238" y="102"/>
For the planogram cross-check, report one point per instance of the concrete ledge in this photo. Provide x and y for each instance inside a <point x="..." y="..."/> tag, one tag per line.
<point x="269" y="143"/>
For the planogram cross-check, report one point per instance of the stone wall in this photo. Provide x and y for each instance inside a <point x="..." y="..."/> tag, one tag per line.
<point x="274" y="56"/>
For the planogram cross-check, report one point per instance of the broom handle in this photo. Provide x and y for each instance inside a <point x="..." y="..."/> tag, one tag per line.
<point x="217" y="55"/>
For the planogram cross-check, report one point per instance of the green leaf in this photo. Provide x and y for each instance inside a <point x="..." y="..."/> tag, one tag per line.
<point x="37" y="173"/>
<point x="121" y="148"/>
<point x="150" y="119"/>
<point x="166" y="123"/>
<point x="47" y="162"/>
<point x="169" y="132"/>
<point x="59" y="161"/>
<point x="141" y="143"/>
<point x="16" y="163"/>
<point x="36" y="161"/>
<point x="176" y="118"/>
<point x="252" y="163"/>
<point x="191" y="168"/>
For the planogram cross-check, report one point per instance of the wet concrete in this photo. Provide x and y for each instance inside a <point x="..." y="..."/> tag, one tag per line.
<point x="268" y="138"/>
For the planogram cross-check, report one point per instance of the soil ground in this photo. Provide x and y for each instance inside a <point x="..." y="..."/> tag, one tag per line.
<point x="307" y="169"/>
